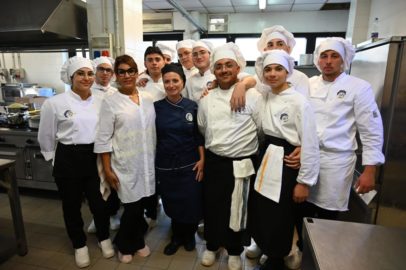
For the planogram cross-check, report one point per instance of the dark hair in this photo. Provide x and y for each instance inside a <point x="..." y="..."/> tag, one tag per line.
<point x="125" y="59"/>
<point x="174" y="67"/>
<point x="152" y="50"/>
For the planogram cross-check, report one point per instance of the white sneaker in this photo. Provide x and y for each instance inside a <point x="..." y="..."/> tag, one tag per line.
<point x="82" y="258"/>
<point x="152" y="223"/>
<point x="263" y="259"/>
<point x="208" y="258"/>
<point x="115" y="222"/>
<point x="107" y="248"/>
<point x="92" y="227"/>
<point x="294" y="260"/>
<point x="234" y="263"/>
<point x="127" y="258"/>
<point x="253" y="251"/>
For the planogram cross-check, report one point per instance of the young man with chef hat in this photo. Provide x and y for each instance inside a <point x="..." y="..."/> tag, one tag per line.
<point x="277" y="37"/>
<point x="168" y="52"/>
<point x="184" y="49"/>
<point x="231" y="143"/>
<point x="343" y="105"/>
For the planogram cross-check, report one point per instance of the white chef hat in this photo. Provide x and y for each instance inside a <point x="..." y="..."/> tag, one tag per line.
<point x="187" y="43"/>
<point x="276" y="31"/>
<point x="103" y="60"/>
<point x="72" y="65"/>
<point x="274" y="57"/>
<point x="165" y="49"/>
<point x="230" y="51"/>
<point x="338" y="44"/>
<point x="205" y="44"/>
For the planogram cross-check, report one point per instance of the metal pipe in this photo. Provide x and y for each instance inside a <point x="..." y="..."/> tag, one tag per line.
<point x="186" y="14"/>
<point x="117" y="49"/>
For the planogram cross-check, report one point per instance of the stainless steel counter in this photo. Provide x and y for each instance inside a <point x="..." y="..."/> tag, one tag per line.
<point x="337" y="245"/>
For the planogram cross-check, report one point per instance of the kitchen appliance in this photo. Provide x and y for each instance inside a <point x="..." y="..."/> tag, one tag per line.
<point x="11" y="91"/>
<point x="383" y="65"/>
<point x="32" y="170"/>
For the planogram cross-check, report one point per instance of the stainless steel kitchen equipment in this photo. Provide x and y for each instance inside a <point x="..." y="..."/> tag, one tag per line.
<point x="31" y="168"/>
<point x="383" y="64"/>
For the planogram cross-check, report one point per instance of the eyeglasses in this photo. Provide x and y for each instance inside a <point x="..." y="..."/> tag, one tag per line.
<point x="199" y="53"/>
<point x="131" y="72"/>
<point x="226" y="65"/>
<point x="105" y="70"/>
<point x="82" y="73"/>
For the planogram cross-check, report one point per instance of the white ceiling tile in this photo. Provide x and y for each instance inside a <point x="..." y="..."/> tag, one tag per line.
<point x="280" y="2"/>
<point x="244" y="2"/>
<point x="228" y="9"/>
<point x="190" y="4"/>
<point x="220" y="3"/>
<point x="201" y="10"/>
<point x="252" y="8"/>
<point x="278" y="8"/>
<point x="306" y="7"/>
<point x="309" y="2"/>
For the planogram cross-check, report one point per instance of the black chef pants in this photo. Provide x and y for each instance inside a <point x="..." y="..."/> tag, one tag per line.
<point x="130" y="236"/>
<point x="76" y="176"/>
<point x="183" y="232"/>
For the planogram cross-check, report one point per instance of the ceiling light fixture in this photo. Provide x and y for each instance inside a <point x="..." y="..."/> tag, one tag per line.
<point x="262" y="4"/>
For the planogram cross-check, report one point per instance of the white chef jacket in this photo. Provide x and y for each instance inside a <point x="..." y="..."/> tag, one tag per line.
<point x="341" y="108"/>
<point x="127" y="131"/>
<point x="68" y="119"/>
<point x="298" y="79"/>
<point x="156" y="89"/>
<point x="228" y="133"/>
<point x="288" y="115"/>
<point x="99" y="89"/>
<point x="190" y="72"/>
<point x="197" y="83"/>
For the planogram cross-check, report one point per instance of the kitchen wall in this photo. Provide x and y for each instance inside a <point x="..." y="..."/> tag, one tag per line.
<point x="301" y="22"/>
<point x="41" y="68"/>
<point x="391" y="15"/>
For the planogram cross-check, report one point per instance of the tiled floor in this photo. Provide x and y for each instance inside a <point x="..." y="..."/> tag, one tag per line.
<point x="50" y="248"/>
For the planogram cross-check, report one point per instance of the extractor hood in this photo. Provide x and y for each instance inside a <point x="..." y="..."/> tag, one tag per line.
<point x="42" y="24"/>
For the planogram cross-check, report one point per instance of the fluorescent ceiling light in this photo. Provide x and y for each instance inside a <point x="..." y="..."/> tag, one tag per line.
<point x="262" y="4"/>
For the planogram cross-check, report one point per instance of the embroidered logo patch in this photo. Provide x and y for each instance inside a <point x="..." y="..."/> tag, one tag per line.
<point x="189" y="117"/>
<point x="375" y="114"/>
<point x="284" y="117"/>
<point x="68" y="114"/>
<point x="341" y="93"/>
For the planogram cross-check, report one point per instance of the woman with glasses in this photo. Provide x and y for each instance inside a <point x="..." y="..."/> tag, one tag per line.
<point x="125" y="140"/>
<point x="66" y="136"/>
<point x="179" y="160"/>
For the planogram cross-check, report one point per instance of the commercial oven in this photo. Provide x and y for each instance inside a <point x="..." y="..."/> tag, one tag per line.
<point x="22" y="146"/>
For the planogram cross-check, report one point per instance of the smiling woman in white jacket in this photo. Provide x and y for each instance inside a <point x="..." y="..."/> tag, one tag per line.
<point x="66" y="135"/>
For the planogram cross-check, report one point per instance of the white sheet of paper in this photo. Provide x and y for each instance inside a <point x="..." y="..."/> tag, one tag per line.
<point x="367" y="197"/>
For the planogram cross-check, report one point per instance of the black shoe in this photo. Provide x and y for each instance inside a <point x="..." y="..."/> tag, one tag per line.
<point x="190" y="244"/>
<point x="171" y="248"/>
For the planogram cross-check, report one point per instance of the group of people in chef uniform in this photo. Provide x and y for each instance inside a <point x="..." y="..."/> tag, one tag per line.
<point x="250" y="156"/>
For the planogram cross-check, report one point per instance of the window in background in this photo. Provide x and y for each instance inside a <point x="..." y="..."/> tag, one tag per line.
<point x="248" y="47"/>
<point x="79" y="53"/>
<point x="320" y="40"/>
<point x="300" y="48"/>
<point x="216" y="41"/>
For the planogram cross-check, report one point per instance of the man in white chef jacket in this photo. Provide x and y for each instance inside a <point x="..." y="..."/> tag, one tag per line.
<point x="343" y="105"/>
<point x="277" y="37"/>
<point x="184" y="49"/>
<point x="104" y="67"/>
<point x="230" y="140"/>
